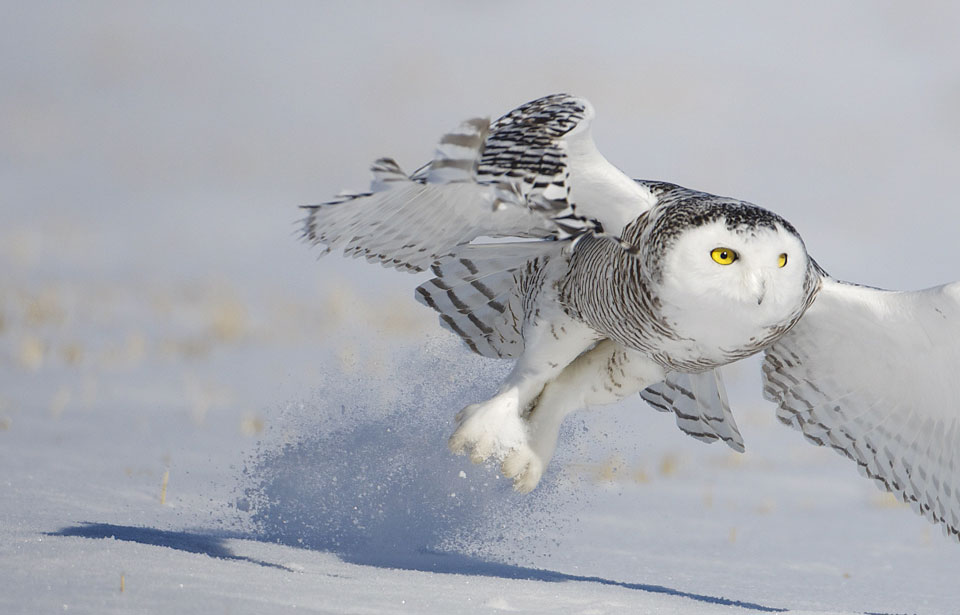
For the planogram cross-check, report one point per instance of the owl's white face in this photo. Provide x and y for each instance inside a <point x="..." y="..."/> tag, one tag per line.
<point x="726" y="288"/>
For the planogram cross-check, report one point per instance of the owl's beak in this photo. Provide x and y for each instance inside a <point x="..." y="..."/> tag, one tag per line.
<point x="757" y="286"/>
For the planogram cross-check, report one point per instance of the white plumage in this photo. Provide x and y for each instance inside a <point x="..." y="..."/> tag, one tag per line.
<point x="873" y="374"/>
<point x="618" y="286"/>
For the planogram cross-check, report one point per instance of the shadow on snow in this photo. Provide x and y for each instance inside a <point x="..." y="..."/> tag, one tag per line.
<point x="206" y="544"/>
<point x="214" y="545"/>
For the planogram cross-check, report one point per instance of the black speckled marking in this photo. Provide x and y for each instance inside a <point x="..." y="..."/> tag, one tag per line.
<point x="680" y="209"/>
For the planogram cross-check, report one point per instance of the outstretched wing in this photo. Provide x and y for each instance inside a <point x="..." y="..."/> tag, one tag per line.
<point x="700" y="404"/>
<point x="876" y="375"/>
<point x="534" y="173"/>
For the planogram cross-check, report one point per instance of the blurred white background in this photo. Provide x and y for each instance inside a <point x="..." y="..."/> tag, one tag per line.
<point x="174" y="140"/>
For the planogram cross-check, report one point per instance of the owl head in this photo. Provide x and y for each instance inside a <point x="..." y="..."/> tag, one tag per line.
<point x="726" y="271"/>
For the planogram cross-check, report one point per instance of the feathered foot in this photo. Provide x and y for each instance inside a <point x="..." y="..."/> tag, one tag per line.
<point x="525" y="466"/>
<point x="489" y="429"/>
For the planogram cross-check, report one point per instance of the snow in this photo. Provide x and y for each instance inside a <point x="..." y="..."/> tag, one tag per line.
<point x="198" y="416"/>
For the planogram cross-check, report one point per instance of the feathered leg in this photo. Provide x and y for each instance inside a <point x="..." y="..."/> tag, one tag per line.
<point x="603" y="375"/>
<point x="495" y="427"/>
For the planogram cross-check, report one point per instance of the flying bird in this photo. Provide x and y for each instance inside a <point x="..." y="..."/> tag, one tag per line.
<point x="601" y="286"/>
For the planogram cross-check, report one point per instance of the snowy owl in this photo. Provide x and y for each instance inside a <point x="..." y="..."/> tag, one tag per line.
<point x="600" y="286"/>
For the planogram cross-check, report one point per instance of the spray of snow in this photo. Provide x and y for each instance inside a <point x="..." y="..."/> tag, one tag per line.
<point x="362" y="469"/>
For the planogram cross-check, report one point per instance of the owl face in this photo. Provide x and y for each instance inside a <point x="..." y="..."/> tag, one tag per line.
<point x="728" y="282"/>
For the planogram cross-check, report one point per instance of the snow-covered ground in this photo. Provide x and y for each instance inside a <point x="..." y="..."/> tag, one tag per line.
<point x="197" y="416"/>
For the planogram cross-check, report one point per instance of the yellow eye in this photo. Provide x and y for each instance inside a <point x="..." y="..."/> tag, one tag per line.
<point x="783" y="260"/>
<point x="723" y="256"/>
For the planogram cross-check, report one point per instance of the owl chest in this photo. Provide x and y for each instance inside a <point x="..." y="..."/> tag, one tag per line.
<point x="704" y="337"/>
<point x="675" y="346"/>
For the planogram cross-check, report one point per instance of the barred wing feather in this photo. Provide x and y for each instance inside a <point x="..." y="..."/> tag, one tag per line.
<point x="534" y="173"/>
<point x="479" y="292"/>
<point x="874" y="375"/>
<point x="546" y="147"/>
<point x="409" y="224"/>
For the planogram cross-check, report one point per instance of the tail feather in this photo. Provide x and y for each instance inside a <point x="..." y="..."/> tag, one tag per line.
<point x="700" y="403"/>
